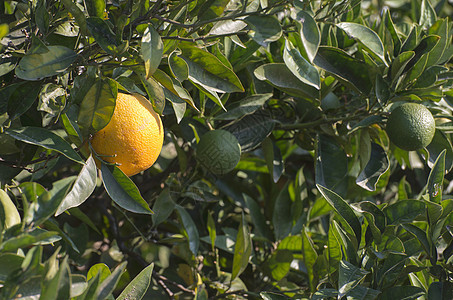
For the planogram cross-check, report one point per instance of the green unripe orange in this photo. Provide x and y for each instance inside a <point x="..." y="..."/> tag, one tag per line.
<point x="411" y="126"/>
<point x="218" y="151"/>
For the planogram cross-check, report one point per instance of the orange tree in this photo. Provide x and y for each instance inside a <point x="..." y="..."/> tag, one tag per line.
<point x="321" y="205"/>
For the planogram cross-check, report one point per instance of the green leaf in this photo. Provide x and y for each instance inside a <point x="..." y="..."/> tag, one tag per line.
<point x="246" y="106"/>
<point x="10" y="263"/>
<point x="374" y="169"/>
<point x="4" y="30"/>
<point x="163" y="207"/>
<point x="109" y="284"/>
<point x="151" y="49"/>
<point x="279" y="76"/>
<point x="258" y="219"/>
<point x="331" y="166"/>
<point x="441" y="29"/>
<point x="104" y="36"/>
<point x="309" y="33"/>
<point x="212" y="231"/>
<point x="40" y="237"/>
<point x="343" y="210"/>
<point x="208" y="71"/>
<point x="281" y="214"/>
<point x="59" y="287"/>
<point x="424" y="47"/>
<point x="79" y="16"/>
<point x="41" y="65"/>
<point x="309" y="257"/>
<point x="399" y="64"/>
<point x="123" y="191"/>
<point x="273" y="158"/>
<point x="96" y="8"/>
<point x="436" y="178"/>
<point x="99" y="270"/>
<point x="155" y="93"/>
<point x="349" y="277"/>
<point x="190" y="229"/>
<point x="252" y="129"/>
<point x="279" y="264"/>
<point x="178" y="66"/>
<point x="365" y="36"/>
<point x="404" y="211"/>
<point x="300" y="67"/>
<point x="242" y="249"/>
<point x="427" y="14"/>
<point x="19" y="97"/>
<point x="440" y="291"/>
<point x="9" y="216"/>
<point x="375" y="217"/>
<point x="402" y="292"/>
<point x="46" y="139"/>
<point x="82" y="188"/>
<point x="173" y="89"/>
<point x="7" y="64"/>
<point x="343" y="66"/>
<point x="137" y="288"/>
<point x="440" y="143"/>
<point x="264" y="29"/>
<point x="98" y="105"/>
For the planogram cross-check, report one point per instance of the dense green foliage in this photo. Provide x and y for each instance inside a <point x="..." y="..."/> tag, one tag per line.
<point x="321" y="204"/>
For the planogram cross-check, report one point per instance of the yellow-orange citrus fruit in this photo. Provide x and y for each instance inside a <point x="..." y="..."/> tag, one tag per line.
<point x="411" y="126"/>
<point x="218" y="151"/>
<point x="134" y="136"/>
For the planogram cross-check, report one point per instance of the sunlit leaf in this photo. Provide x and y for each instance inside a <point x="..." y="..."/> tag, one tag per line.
<point x="137" y="288"/>
<point x="47" y="64"/>
<point x="300" y="67"/>
<point x="123" y="191"/>
<point x="375" y="168"/>
<point x="242" y="249"/>
<point x="152" y="49"/>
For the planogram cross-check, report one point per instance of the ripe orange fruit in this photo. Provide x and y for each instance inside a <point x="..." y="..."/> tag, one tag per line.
<point x="218" y="151"/>
<point x="411" y="126"/>
<point x="134" y="136"/>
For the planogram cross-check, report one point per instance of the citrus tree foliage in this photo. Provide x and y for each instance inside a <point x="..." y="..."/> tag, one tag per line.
<point x="321" y="205"/>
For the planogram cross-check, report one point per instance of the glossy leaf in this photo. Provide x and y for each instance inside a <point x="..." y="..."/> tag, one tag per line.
<point x="123" y="191"/>
<point x="96" y="8"/>
<point x="75" y="11"/>
<point x="330" y="165"/>
<point x="427" y="14"/>
<point x="163" y="207"/>
<point x="97" y="106"/>
<point x="82" y="188"/>
<point x="436" y="178"/>
<point x="300" y="67"/>
<point x="137" y="288"/>
<point x="375" y="168"/>
<point x="242" y="249"/>
<point x="99" y="270"/>
<point x="246" y="106"/>
<point x="208" y="71"/>
<point x="47" y="64"/>
<point x="279" y="76"/>
<point x="173" y="88"/>
<point x="263" y="29"/>
<point x="273" y="158"/>
<point x="279" y="264"/>
<point x="344" y="66"/>
<point x="28" y="239"/>
<point x="104" y="36"/>
<point x="309" y="257"/>
<point x="343" y="210"/>
<point x="440" y="143"/>
<point x="399" y="64"/>
<point x="109" y="284"/>
<point x="365" y="36"/>
<point x="281" y="214"/>
<point x="46" y="139"/>
<point x="309" y="33"/>
<point x="152" y="50"/>
<point x="404" y="211"/>
<point x="178" y="66"/>
<point x="252" y="129"/>
<point x="190" y="229"/>
<point x="155" y="93"/>
<point x="349" y="277"/>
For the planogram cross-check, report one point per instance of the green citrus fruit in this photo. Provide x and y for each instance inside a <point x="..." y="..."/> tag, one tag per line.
<point x="411" y="126"/>
<point x="218" y="151"/>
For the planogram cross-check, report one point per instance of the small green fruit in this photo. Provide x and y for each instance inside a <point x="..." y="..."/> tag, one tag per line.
<point x="411" y="126"/>
<point x="218" y="151"/>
